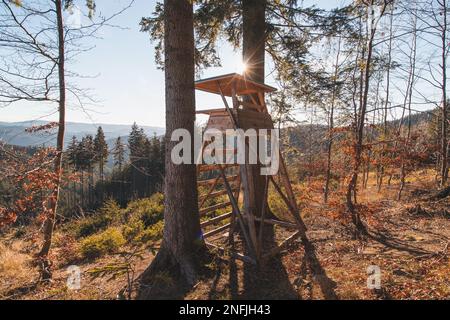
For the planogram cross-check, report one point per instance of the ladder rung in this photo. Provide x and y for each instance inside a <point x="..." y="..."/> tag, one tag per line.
<point x="216" y="231"/>
<point x="215" y="219"/>
<point x="216" y="194"/>
<point x="207" y="210"/>
<point x="211" y="167"/>
<point x="212" y="181"/>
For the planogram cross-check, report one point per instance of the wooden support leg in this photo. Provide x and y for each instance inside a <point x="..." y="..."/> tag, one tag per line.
<point x="263" y="214"/>
<point x="294" y="213"/>
<point x="235" y="206"/>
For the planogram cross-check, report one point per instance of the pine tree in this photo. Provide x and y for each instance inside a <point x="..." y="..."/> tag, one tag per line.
<point x="72" y="153"/>
<point x="181" y="246"/>
<point x="101" y="151"/>
<point x="136" y="144"/>
<point x="118" y="153"/>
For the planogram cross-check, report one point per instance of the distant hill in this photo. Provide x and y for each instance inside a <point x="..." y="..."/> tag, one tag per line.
<point x="14" y="132"/>
<point x="306" y="136"/>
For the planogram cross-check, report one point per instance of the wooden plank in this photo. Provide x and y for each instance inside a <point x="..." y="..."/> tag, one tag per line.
<point x="210" y="190"/>
<point x="263" y="214"/>
<point x="233" y="254"/>
<point x="233" y="216"/>
<point x="215" y="207"/>
<point x="236" y="209"/>
<point x="216" y="231"/>
<point x="212" y="167"/>
<point x="262" y="100"/>
<point x="290" y="193"/>
<point x="293" y="211"/>
<point x="212" y="181"/>
<point x="215" y="194"/>
<point x="215" y="219"/>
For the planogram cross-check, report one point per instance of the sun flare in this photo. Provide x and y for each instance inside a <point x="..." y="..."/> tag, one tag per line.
<point x="241" y="67"/>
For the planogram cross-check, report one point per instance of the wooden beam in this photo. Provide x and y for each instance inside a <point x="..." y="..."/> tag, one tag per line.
<point x="215" y="219"/>
<point x="263" y="214"/>
<point x="215" y="207"/>
<point x="210" y="190"/>
<point x="212" y="181"/>
<point x="237" y="212"/>
<point x="212" y="167"/>
<point x="250" y="244"/>
<point x="301" y="226"/>
<point x="216" y="231"/>
<point x="215" y="194"/>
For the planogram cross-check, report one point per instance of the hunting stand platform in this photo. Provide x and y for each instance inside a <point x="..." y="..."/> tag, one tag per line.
<point x="222" y="212"/>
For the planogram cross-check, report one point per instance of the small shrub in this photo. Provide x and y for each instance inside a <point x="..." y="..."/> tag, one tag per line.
<point x="108" y="241"/>
<point x="133" y="231"/>
<point x="107" y="215"/>
<point x="152" y="233"/>
<point x="148" y="210"/>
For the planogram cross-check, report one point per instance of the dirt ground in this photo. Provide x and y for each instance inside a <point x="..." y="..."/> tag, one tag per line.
<point x="409" y="243"/>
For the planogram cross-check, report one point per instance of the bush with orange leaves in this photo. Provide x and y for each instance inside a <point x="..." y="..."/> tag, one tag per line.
<point x="32" y="179"/>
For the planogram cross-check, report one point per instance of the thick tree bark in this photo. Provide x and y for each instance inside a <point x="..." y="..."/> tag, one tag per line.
<point x="49" y="223"/>
<point x="182" y="243"/>
<point x="444" y="125"/>
<point x="253" y="51"/>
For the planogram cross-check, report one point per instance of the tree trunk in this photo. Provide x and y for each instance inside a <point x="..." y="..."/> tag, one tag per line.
<point x="182" y="242"/>
<point x="331" y="126"/>
<point x="358" y="147"/>
<point x="444" y="142"/>
<point x="49" y="223"/>
<point x="253" y="50"/>
<point x="381" y="168"/>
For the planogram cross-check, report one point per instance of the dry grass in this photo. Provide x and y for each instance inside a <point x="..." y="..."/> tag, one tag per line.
<point x="15" y="266"/>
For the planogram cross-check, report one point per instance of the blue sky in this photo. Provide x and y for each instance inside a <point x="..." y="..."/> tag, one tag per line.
<point x="128" y="86"/>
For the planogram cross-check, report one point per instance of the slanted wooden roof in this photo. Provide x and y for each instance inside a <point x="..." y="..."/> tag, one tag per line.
<point x="225" y="82"/>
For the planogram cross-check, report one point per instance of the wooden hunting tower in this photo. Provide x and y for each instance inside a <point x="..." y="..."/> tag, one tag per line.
<point x="225" y="190"/>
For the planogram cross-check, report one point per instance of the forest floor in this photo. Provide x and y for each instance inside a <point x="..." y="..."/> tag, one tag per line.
<point x="409" y="242"/>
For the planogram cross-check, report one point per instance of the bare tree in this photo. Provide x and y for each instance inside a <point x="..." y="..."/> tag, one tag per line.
<point x="35" y="44"/>
<point x="334" y="92"/>
<point x="433" y="14"/>
<point x="373" y="21"/>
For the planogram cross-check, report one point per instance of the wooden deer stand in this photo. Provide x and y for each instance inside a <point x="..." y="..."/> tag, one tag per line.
<point x="218" y="181"/>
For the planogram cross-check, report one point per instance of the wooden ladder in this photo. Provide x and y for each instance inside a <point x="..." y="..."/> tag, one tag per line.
<point x="212" y="186"/>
